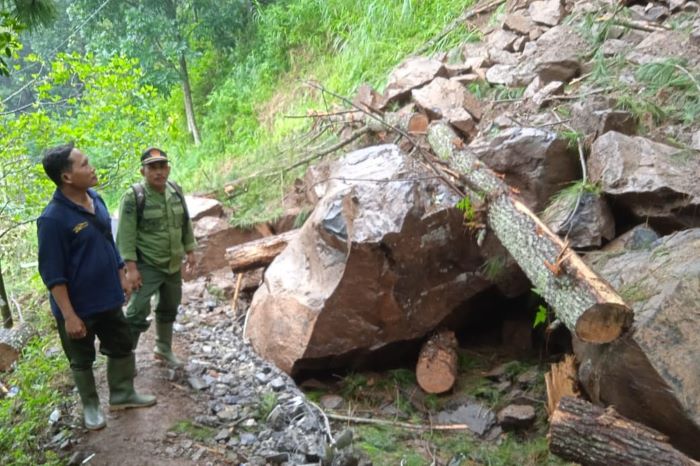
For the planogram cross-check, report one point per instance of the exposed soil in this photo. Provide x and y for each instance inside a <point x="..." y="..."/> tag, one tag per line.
<point x="146" y="436"/>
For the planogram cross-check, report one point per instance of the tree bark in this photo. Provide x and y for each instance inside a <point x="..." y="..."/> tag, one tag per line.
<point x="5" y="313"/>
<point x="258" y="253"/>
<point x="187" y="96"/>
<point x="584" y="302"/>
<point x="436" y="370"/>
<point x="589" y="435"/>
<point x="11" y="344"/>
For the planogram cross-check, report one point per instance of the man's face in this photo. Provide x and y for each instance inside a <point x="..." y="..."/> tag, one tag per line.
<point x="81" y="175"/>
<point x="156" y="175"/>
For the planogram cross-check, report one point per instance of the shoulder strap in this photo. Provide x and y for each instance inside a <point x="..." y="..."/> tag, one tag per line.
<point x="181" y="195"/>
<point x="140" y="195"/>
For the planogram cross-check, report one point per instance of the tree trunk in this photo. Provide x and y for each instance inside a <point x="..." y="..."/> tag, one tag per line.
<point x="436" y="370"/>
<point x="584" y="302"/>
<point x="589" y="435"/>
<point x="258" y="253"/>
<point x="11" y="344"/>
<point x="187" y="96"/>
<point x="5" y="313"/>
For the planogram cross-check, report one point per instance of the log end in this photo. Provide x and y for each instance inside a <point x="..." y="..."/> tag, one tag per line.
<point x="8" y="356"/>
<point x="604" y="323"/>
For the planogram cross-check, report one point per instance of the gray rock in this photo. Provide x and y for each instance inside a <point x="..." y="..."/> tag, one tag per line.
<point x="477" y="417"/>
<point x="652" y="180"/>
<point x="655" y="366"/>
<point x="547" y="12"/>
<point x="535" y="161"/>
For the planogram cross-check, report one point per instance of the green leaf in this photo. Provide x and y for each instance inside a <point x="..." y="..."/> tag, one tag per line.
<point x="540" y="317"/>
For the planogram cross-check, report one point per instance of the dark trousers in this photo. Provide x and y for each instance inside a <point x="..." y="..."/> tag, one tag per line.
<point x="113" y="332"/>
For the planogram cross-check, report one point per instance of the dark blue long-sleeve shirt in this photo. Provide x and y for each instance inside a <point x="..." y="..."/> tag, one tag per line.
<point x="74" y="250"/>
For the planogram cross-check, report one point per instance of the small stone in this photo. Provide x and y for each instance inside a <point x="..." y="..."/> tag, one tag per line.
<point x="278" y="384"/>
<point x="247" y="438"/>
<point x="331" y="401"/>
<point x="343" y="439"/>
<point x="261" y="377"/>
<point x="222" y="435"/>
<point x="695" y="142"/>
<point x="197" y="383"/>
<point x="228" y="414"/>
<point x="198" y="454"/>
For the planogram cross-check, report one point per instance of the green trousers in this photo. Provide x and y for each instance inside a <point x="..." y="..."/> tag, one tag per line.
<point x="168" y="290"/>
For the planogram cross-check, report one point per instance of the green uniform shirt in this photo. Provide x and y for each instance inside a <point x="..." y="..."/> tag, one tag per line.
<point x="159" y="239"/>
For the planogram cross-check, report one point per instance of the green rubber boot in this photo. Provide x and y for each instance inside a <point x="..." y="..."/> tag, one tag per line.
<point x="164" y="344"/>
<point x="93" y="417"/>
<point x="120" y="377"/>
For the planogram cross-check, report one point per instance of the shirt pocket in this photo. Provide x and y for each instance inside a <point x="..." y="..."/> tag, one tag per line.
<point x="153" y="220"/>
<point x="178" y="212"/>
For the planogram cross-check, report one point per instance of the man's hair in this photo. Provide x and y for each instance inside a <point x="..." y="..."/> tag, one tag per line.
<point x="56" y="162"/>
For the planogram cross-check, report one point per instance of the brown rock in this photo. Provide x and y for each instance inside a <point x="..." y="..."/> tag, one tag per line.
<point x="367" y="98"/>
<point x="214" y="235"/>
<point x="412" y="73"/>
<point x="375" y="263"/>
<point x="652" y="180"/>
<point x="519" y="23"/>
<point x="501" y="39"/>
<point x="547" y="12"/>
<point x="558" y="54"/>
<point x="446" y="99"/>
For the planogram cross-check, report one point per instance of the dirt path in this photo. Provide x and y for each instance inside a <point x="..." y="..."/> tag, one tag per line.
<point x="148" y="436"/>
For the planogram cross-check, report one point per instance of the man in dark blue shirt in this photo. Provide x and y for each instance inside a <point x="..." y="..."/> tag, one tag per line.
<point x="85" y="274"/>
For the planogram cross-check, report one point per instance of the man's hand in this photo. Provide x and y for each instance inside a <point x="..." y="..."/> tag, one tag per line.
<point x="75" y="327"/>
<point x="189" y="262"/>
<point x="133" y="275"/>
<point x="126" y="284"/>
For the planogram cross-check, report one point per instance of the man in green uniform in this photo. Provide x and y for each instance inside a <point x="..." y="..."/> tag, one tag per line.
<point x="153" y="236"/>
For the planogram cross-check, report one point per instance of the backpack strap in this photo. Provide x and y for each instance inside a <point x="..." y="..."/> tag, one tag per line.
<point x="140" y="196"/>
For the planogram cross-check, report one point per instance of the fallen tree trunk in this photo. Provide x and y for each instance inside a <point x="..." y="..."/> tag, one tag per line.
<point x="11" y="344"/>
<point x="258" y="253"/>
<point x="436" y="370"/>
<point x="584" y="302"/>
<point x="587" y="434"/>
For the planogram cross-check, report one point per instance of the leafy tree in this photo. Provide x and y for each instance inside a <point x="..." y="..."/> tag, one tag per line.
<point x="164" y="35"/>
<point x="102" y="106"/>
<point x="15" y="16"/>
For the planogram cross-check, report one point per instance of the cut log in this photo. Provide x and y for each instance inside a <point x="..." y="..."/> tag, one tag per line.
<point x="436" y="371"/>
<point x="590" y="435"/>
<point x="258" y="253"/>
<point x="561" y="381"/>
<point x="583" y="301"/>
<point x="11" y="344"/>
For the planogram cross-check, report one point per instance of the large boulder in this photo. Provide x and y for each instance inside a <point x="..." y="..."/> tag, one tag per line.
<point x="383" y="258"/>
<point x="535" y="161"/>
<point x="653" y="374"/>
<point x="652" y="180"/>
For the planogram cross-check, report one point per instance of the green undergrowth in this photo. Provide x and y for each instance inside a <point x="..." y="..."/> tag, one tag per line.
<point x="41" y="382"/>
<point x="394" y="396"/>
<point x="246" y="126"/>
